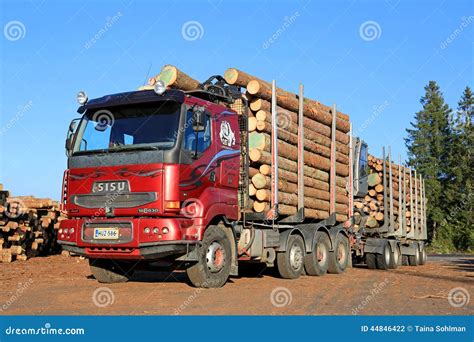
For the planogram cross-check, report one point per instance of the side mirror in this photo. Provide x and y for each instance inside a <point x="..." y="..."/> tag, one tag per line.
<point x="70" y="135"/>
<point x="198" y="119"/>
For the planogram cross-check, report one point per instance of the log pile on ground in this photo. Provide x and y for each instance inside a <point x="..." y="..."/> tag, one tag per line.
<point x="317" y="150"/>
<point x="373" y="210"/>
<point x="28" y="226"/>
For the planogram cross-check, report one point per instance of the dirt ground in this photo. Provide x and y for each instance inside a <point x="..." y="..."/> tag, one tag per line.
<point x="61" y="285"/>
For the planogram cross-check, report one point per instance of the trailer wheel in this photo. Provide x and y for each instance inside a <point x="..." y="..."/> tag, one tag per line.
<point x="316" y="263"/>
<point x="395" y="257"/>
<point x="423" y="256"/>
<point x="384" y="259"/>
<point x="339" y="258"/>
<point x="290" y="263"/>
<point x="371" y="261"/>
<point x="414" y="260"/>
<point x="111" y="271"/>
<point x="215" y="253"/>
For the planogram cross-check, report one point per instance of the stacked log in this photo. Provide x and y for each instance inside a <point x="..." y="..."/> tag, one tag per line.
<point x="317" y="150"/>
<point x="373" y="210"/>
<point x="28" y="226"/>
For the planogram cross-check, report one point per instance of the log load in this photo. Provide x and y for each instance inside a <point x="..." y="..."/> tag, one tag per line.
<point x="28" y="227"/>
<point x="317" y="122"/>
<point x="373" y="206"/>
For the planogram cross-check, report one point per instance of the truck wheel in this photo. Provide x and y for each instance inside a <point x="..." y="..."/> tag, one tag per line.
<point x="395" y="257"/>
<point x="339" y="258"/>
<point x="383" y="260"/>
<point x="110" y="271"/>
<point x="290" y="263"/>
<point x="371" y="261"/>
<point x="423" y="256"/>
<point x="316" y="263"/>
<point x="215" y="256"/>
<point x="414" y="260"/>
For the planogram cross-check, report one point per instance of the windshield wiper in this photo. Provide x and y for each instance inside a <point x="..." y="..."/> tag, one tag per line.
<point x="132" y="147"/>
<point x="122" y="148"/>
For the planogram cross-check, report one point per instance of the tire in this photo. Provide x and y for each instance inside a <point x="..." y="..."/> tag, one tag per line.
<point x="215" y="258"/>
<point x="423" y="256"/>
<point x="395" y="257"/>
<point x="290" y="264"/>
<point x="371" y="261"/>
<point x="383" y="260"/>
<point x="316" y="263"/>
<point x="414" y="260"/>
<point x="339" y="258"/>
<point x="111" y="271"/>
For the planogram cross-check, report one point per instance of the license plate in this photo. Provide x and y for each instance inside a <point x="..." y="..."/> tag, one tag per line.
<point x="106" y="233"/>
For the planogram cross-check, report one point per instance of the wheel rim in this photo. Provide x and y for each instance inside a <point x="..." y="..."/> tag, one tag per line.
<point x="387" y="254"/>
<point x="341" y="254"/>
<point x="296" y="257"/>
<point x="215" y="257"/>
<point x="321" y="253"/>
<point x="396" y="256"/>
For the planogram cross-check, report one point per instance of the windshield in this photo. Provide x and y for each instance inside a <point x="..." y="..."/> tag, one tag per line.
<point x="144" y="126"/>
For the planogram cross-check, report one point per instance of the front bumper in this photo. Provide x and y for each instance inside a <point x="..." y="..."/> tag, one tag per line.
<point x="181" y="250"/>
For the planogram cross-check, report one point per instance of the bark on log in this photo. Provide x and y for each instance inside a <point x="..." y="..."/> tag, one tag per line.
<point x="290" y="101"/>
<point x="175" y="78"/>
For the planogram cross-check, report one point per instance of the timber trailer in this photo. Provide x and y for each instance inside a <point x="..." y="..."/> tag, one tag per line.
<point x="158" y="198"/>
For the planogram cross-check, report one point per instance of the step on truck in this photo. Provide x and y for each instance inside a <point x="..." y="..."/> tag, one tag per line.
<point x="167" y="177"/>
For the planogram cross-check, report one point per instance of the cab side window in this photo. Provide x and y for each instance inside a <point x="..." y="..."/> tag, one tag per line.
<point x="197" y="141"/>
<point x="363" y="164"/>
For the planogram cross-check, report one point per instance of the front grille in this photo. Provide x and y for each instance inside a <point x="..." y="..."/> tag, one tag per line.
<point x="125" y="232"/>
<point x="129" y="200"/>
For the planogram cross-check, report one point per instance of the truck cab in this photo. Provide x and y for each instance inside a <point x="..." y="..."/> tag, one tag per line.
<point x="147" y="172"/>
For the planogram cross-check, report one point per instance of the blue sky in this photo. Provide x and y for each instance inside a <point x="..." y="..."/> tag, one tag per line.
<point x="371" y="58"/>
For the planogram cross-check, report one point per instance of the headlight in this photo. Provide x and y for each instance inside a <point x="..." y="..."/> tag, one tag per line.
<point x="146" y="230"/>
<point x="160" y="87"/>
<point x="155" y="230"/>
<point x="82" y="98"/>
<point x="65" y="230"/>
<point x="165" y="230"/>
<point x="71" y="230"/>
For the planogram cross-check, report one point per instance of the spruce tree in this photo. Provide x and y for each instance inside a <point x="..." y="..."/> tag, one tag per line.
<point x="428" y="144"/>
<point x="462" y="174"/>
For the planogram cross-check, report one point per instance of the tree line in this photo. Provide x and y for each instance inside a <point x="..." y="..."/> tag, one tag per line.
<point x="439" y="143"/>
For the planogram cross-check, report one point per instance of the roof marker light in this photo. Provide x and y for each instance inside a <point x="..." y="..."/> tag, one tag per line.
<point x="160" y="87"/>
